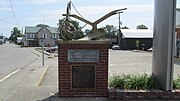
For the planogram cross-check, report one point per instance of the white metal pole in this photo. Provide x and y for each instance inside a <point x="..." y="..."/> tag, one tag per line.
<point x="163" y="42"/>
<point x="43" y="53"/>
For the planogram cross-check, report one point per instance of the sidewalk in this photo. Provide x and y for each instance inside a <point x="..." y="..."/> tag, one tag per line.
<point x="36" y="83"/>
<point x="30" y="83"/>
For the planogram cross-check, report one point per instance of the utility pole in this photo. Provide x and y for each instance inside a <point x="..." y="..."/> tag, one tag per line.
<point x="119" y="33"/>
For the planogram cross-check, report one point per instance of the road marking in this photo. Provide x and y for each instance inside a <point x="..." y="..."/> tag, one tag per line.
<point x="9" y="75"/>
<point x="41" y="78"/>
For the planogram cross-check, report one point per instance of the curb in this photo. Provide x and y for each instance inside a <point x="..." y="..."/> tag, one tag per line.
<point x="46" y="53"/>
<point x="41" y="78"/>
<point x="35" y="53"/>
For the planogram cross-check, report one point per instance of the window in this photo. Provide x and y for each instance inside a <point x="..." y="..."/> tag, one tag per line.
<point x="28" y="35"/>
<point x="54" y="36"/>
<point x="44" y="35"/>
<point x="31" y="35"/>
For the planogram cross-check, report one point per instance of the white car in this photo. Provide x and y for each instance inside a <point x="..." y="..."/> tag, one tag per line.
<point x="115" y="47"/>
<point x="52" y="49"/>
<point x="150" y="49"/>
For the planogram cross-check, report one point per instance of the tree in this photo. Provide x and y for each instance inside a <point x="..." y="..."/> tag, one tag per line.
<point x="78" y="33"/>
<point x="125" y="27"/>
<point x="87" y="31"/>
<point x="42" y="25"/>
<point x="111" y="31"/>
<point x="15" y="33"/>
<point x="137" y="44"/>
<point x="141" y="27"/>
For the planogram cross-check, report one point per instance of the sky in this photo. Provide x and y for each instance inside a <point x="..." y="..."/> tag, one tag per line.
<point x="33" y="12"/>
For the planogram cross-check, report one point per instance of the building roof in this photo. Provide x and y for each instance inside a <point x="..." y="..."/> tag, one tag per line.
<point x="128" y="33"/>
<point x="52" y="29"/>
<point x="30" y="29"/>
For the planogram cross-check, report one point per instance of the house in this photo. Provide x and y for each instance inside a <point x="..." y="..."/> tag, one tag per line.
<point x="129" y="38"/>
<point x="33" y="36"/>
<point x="178" y="31"/>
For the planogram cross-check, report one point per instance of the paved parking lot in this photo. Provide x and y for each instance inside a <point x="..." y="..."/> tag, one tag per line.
<point x="129" y="62"/>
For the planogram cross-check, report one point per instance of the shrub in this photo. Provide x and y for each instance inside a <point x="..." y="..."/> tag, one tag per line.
<point x="135" y="82"/>
<point x="117" y="81"/>
<point x="176" y="83"/>
<point x="138" y="82"/>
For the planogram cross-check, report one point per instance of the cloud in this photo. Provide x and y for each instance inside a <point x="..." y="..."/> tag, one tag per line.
<point x="43" y="1"/>
<point x="4" y="9"/>
<point x="2" y="3"/>
<point x="3" y="6"/>
<point x="105" y="9"/>
<point x="49" y="17"/>
<point x="95" y="12"/>
<point x="131" y="17"/>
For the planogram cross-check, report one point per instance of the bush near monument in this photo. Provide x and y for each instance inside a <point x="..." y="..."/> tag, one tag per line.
<point x="138" y="82"/>
<point x="133" y="82"/>
<point x="176" y="83"/>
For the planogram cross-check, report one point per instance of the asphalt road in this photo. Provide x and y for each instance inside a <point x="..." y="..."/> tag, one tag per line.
<point x="13" y="57"/>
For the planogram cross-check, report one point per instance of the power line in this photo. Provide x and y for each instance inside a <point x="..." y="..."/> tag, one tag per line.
<point x="9" y="6"/>
<point x="78" y="13"/>
<point x="13" y="11"/>
<point x="76" y="9"/>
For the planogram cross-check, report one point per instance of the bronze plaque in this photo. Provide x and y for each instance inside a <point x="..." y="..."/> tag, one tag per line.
<point x="83" y="76"/>
<point x="83" y="55"/>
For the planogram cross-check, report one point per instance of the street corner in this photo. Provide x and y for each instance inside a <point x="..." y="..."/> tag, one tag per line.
<point x="36" y="53"/>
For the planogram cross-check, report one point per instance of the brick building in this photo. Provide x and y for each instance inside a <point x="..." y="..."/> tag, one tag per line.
<point x="178" y="23"/>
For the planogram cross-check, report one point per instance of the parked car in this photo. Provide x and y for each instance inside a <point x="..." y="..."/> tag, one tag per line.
<point x="1" y="42"/>
<point x="52" y="49"/>
<point x="150" y="49"/>
<point x="115" y="47"/>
